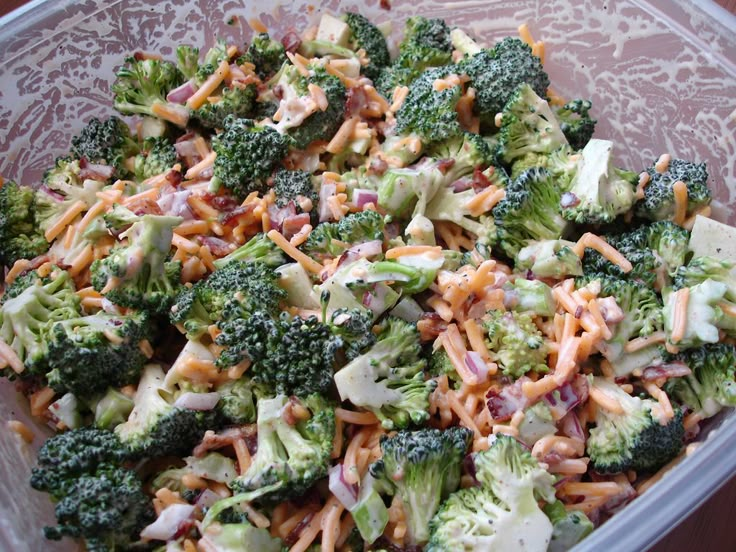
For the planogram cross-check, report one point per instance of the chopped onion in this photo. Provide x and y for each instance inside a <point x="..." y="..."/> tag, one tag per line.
<point x="345" y="492"/>
<point x="293" y="224"/>
<point x="167" y="524"/>
<point x="182" y="93"/>
<point x="96" y="171"/>
<point x="561" y="401"/>
<point x="197" y="401"/>
<point x="175" y="204"/>
<point x="666" y="370"/>
<point x="477" y="365"/>
<point x="207" y="498"/>
<point x="570" y="426"/>
<point x="362" y="196"/>
<point x="367" y="249"/>
<point x="462" y="184"/>
<point x="504" y="403"/>
<point x="326" y="191"/>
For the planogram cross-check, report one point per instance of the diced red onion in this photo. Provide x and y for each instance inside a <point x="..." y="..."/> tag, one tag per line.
<point x="611" y="312"/>
<point x="277" y="214"/>
<point x="569" y="199"/>
<point x="376" y="300"/>
<point x="477" y="365"/>
<point x="207" y="498"/>
<point x="570" y="426"/>
<point x="175" y="204"/>
<point x="326" y="191"/>
<point x="218" y="247"/>
<point x="504" y="403"/>
<point x="293" y="224"/>
<point x="367" y="249"/>
<point x="346" y="493"/>
<point x="96" y="171"/>
<point x="462" y="184"/>
<point x="561" y="401"/>
<point x="56" y="196"/>
<point x="167" y="523"/>
<point x="109" y="307"/>
<point x="666" y="370"/>
<point x="362" y="197"/>
<point x="480" y="181"/>
<point x="187" y="150"/>
<point x="197" y="401"/>
<point x="182" y="93"/>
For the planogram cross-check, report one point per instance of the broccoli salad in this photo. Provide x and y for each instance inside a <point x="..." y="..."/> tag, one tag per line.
<point x="310" y="295"/>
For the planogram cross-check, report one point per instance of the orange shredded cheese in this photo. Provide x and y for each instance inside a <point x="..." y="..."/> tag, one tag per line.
<point x="453" y="344"/>
<point x="198" y="99"/>
<point x="10" y="356"/>
<point x="151" y="194"/>
<point x="609" y="252"/>
<point x="192" y="227"/>
<point x="337" y="144"/>
<point x="679" y="319"/>
<point x="525" y="35"/>
<point x="396" y="252"/>
<point x="679" y="190"/>
<point x="207" y="162"/>
<point x="184" y="244"/>
<point x="484" y="201"/>
<point x="40" y="400"/>
<point x="60" y="225"/>
<point x="356" y="418"/>
<point x="604" y="401"/>
<point x="307" y="262"/>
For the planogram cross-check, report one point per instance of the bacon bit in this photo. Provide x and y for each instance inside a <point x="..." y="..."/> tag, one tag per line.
<point x="664" y="371"/>
<point x="291" y="42"/>
<point x="213" y="441"/>
<point x="385" y="5"/>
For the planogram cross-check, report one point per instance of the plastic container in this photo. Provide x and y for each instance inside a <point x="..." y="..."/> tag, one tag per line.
<point x="661" y="74"/>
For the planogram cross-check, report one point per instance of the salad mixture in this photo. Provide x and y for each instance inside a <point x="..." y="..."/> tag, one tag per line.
<point x="318" y="297"/>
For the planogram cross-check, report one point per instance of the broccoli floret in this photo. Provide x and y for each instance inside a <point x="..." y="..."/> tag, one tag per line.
<point x="258" y="249"/>
<point x="527" y="126"/>
<point x="247" y="154"/>
<point x="516" y="343"/>
<point x="212" y="59"/>
<point x="66" y="456"/>
<point x="497" y="513"/>
<point x="234" y="291"/>
<point x="599" y="192"/>
<point x="549" y="259"/>
<point x="292" y="187"/>
<point x="21" y="283"/>
<point x="659" y="197"/>
<point x="530" y="296"/>
<point x="654" y="250"/>
<point x="496" y="74"/>
<point x="236" y="101"/>
<point x="112" y="409"/>
<point x="157" y="156"/>
<point x="711" y="386"/>
<point x="700" y="269"/>
<point x="321" y="125"/>
<point x="401" y="191"/>
<point x="26" y="318"/>
<point x="426" y="44"/>
<point x="575" y="122"/>
<point x="707" y="313"/>
<point x="634" y="439"/>
<point x="428" y="113"/>
<point x="348" y="288"/>
<point x="141" y="86"/>
<point x="569" y="527"/>
<point x="237" y="404"/>
<point x="365" y="35"/>
<point x="58" y="194"/>
<point x="119" y="219"/>
<point x="156" y="427"/>
<point x="562" y="164"/>
<point x="332" y="239"/>
<point x="20" y="237"/>
<point x="89" y="353"/>
<point x="138" y="275"/>
<point x="354" y="327"/>
<point x="388" y="378"/>
<point x="412" y="274"/>
<point x="267" y="54"/>
<point x="423" y="468"/>
<point x="187" y="60"/>
<point x="108" y="142"/>
<point x="466" y="153"/>
<point x="529" y="211"/>
<point x="297" y="454"/>
<point x="293" y="356"/>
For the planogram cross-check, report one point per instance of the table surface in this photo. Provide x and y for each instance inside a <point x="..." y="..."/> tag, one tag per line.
<point x="710" y="527"/>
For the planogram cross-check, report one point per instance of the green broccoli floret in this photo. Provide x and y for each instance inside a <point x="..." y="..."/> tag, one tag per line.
<point x="407" y="192"/>
<point x="267" y="54"/>
<point x="233" y="101"/>
<point x="332" y="239"/>
<point x="295" y="455"/>
<point x="569" y="527"/>
<point x="141" y="86"/>
<point x="138" y="275"/>
<point x="257" y="249"/>
<point x="66" y="456"/>
<point x="212" y="59"/>
<point x="90" y="353"/>
<point x="527" y="126"/>
<point x="108" y="142"/>
<point x="20" y="237"/>
<point x="496" y="514"/>
<point x="293" y="356"/>
<point x="235" y="290"/>
<point x="349" y="288"/>
<point x="21" y="283"/>
<point x="575" y="122"/>
<point x="157" y="156"/>
<point x="496" y="74"/>
<point x="516" y="343"/>
<point x="642" y="315"/>
<point x="711" y="386"/>
<point x="156" y="427"/>
<point x="388" y="378"/>
<point x="237" y="404"/>
<point x="707" y="313"/>
<point x="428" y="113"/>
<point x="187" y="60"/>
<point x="293" y="186"/>
<point x="411" y="275"/>
<point x="58" y="194"/>
<point x="634" y="439"/>
<point x="561" y="163"/>
<point x="107" y="508"/>
<point x="549" y="259"/>
<point x="426" y="44"/>
<point x="25" y="319"/>
<point x="467" y="152"/>
<point x="530" y="296"/>
<point x="529" y="211"/>
<point x="354" y="327"/>
<point x="654" y="250"/>
<point x="247" y="154"/>
<point x="423" y="468"/>
<point x="65" y="172"/>
<point x="112" y="409"/>
<point x="700" y="269"/>
<point x="365" y="35"/>
<point x="599" y="192"/>
<point x="659" y="198"/>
